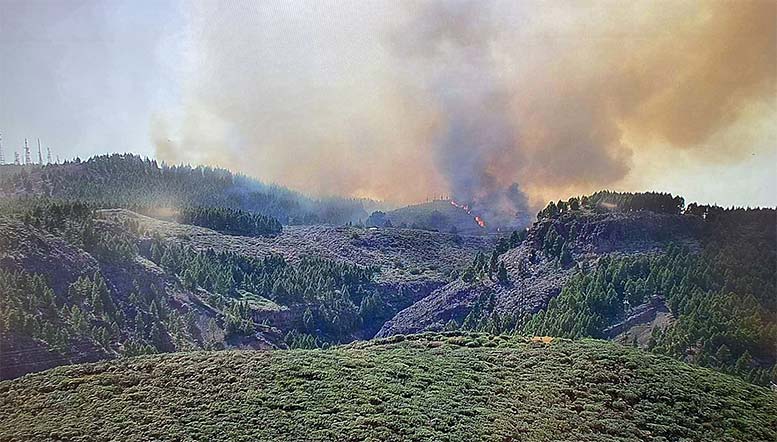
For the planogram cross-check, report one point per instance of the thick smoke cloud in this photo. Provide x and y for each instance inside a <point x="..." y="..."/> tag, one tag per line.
<point x="504" y="104"/>
<point x="450" y="43"/>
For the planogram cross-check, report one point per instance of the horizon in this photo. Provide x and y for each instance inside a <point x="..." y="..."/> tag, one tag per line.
<point x="383" y="205"/>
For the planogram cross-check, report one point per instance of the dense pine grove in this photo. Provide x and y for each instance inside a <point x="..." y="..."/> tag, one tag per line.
<point x="606" y="200"/>
<point x="88" y="311"/>
<point x="337" y="298"/>
<point x="230" y="221"/>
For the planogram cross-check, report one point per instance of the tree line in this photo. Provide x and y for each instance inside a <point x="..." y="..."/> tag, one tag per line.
<point x="132" y="182"/>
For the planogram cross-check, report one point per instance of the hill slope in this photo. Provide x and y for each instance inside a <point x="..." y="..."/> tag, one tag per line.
<point x="442" y="215"/>
<point x="78" y="285"/>
<point x="535" y="277"/>
<point x="427" y="387"/>
<point x="697" y="284"/>
<point x="129" y="181"/>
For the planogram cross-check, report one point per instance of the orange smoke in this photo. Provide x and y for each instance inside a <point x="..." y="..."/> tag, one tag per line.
<point x="406" y="100"/>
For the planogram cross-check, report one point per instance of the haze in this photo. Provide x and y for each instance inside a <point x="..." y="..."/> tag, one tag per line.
<point x="498" y="103"/>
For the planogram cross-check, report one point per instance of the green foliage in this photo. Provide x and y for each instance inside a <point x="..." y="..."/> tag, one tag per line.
<point x="230" y="221"/>
<point x="129" y="181"/>
<point x="446" y="387"/>
<point x="616" y="201"/>
<point x="482" y="266"/>
<point x="75" y="222"/>
<point x="723" y="298"/>
<point x="88" y="311"/>
<point x="339" y="297"/>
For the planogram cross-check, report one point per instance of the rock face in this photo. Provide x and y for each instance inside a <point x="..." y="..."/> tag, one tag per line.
<point x="535" y="278"/>
<point x="640" y="322"/>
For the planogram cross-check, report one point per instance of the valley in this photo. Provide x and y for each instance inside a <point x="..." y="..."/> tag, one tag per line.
<point x="106" y="277"/>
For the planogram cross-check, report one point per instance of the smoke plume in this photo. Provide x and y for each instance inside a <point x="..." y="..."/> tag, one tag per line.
<point x="502" y="105"/>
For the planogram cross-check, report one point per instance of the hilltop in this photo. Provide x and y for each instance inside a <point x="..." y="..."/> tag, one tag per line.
<point x="430" y="387"/>
<point x="441" y="215"/>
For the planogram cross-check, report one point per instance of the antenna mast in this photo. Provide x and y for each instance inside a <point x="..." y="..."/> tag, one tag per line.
<point x="16" y="158"/>
<point x="40" y="155"/>
<point x="48" y="155"/>
<point x="2" y="157"/>
<point x="27" y="159"/>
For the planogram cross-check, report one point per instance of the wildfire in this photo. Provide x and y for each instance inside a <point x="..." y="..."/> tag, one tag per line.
<point x="461" y="206"/>
<point x="466" y="208"/>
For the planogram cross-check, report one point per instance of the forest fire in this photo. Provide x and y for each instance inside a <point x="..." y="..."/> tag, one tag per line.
<point x="466" y="208"/>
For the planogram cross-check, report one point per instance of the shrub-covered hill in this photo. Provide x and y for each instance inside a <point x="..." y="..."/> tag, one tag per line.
<point x="451" y="387"/>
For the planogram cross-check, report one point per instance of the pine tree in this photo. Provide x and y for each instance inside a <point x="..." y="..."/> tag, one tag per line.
<point x="501" y="274"/>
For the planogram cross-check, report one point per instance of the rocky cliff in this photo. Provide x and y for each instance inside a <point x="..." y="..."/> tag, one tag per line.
<point x="534" y="276"/>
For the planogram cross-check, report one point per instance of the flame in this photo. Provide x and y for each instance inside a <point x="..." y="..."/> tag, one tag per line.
<point x="466" y="208"/>
<point x="461" y="206"/>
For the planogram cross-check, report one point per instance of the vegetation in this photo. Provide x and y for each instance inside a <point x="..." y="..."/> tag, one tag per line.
<point x="339" y="297"/>
<point x="617" y="201"/>
<point x="129" y="181"/>
<point x="230" y="221"/>
<point x="447" y="387"/>
<point x="88" y="311"/>
<point x="491" y="267"/>
<point x="75" y="223"/>
<point x="723" y="298"/>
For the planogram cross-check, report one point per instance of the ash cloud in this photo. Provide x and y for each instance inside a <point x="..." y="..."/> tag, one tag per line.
<point x="501" y="104"/>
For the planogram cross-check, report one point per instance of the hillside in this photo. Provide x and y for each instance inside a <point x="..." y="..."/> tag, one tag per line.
<point x="129" y="181"/>
<point x="441" y="215"/>
<point x="404" y="255"/>
<point x="536" y="277"/>
<point x="427" y="387"/>
<point x="696" y="283"/>
<point x="83" y="285"/>
<point x="83" y="280"/>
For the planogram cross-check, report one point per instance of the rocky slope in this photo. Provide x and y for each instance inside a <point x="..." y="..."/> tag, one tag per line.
<point x="431" y="387"/>
<point x="412" y="264"/>
<point x="534" y="277"/>
<point x="406" y="256"/>
<point x="32" y="251"/>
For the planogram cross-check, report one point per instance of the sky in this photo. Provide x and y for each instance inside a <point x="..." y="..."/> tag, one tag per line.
<point x="504" y="104"/>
